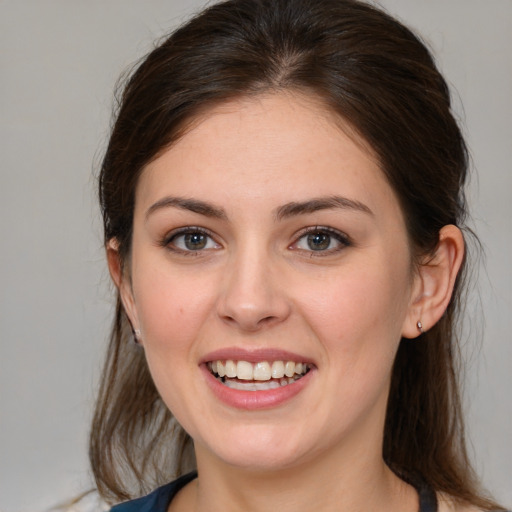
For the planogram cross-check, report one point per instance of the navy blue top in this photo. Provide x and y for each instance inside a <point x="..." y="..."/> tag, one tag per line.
<point x="159" y="500"/>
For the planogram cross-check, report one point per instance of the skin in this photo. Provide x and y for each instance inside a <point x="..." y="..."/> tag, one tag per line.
<point x="257" y="284"/>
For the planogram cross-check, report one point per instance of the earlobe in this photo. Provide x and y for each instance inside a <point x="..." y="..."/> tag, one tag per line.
<point x="122" y="282"/>
<point x="434" y="283"/>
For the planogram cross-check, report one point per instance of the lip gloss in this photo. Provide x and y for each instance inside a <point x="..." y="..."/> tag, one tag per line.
<point x="254" y="400"/>
<point x="255" y="355"/>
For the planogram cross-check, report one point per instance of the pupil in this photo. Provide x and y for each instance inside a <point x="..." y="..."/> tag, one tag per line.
<point x="195" y="241"/>
<point x="318" y="241"/>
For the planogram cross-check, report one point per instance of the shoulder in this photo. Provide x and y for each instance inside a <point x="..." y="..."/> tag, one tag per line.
<point x="88" y="501"/>
<point x="153" y="502"/>
<point x="158" y="500"/>
<point x="448" y="504"/>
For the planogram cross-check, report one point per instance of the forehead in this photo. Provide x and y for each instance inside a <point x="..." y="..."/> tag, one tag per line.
<point x="278" y="146"/>
<point x="293" y="113"/>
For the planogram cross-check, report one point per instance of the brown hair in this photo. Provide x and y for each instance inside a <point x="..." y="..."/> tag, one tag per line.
<point x="377" y="75"/>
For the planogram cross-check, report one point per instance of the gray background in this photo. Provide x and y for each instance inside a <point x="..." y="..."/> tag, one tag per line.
<point x="59" y="60"/>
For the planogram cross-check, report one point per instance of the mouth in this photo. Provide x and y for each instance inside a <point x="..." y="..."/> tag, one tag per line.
<point x="259" y="376"/>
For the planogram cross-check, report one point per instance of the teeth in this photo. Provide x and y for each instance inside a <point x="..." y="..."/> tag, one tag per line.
<point x="277" y="369"/>
<point x="284" y="372"/>
<point x="262" y="371"/>
<point x="230" y="368"/>
<point x="289" y="368"/>
<point x="258" y="386"/>
<point x="252" y="386"/>
<point x="244" y="370"/>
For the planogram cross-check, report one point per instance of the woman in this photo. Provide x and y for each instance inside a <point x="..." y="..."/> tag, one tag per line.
<point x="283" y="208"/>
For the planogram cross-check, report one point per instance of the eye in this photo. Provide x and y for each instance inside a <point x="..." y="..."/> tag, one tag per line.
<point x="190" y="240"/>
<point x="320" y="239"/>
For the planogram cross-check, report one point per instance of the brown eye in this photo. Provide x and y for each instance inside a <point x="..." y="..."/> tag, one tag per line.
<point x="195" y="241"/>
<point x="319" y="241"/>
<point x="191" y="240"/>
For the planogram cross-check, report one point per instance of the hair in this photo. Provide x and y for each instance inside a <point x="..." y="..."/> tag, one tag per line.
<point x="375" y="74"/>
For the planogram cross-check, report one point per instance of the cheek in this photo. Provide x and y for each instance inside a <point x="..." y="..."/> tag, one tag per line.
<point x="358" y="319"/>
<point x="359" y="310"/>
<point x="173" y="310"/>
<point x="172" y="307"/>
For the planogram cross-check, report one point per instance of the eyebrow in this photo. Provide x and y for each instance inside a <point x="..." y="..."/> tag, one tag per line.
<point x="283" y="212"/>
<point x="192" y="205"/>
<point x="320" y="203"/>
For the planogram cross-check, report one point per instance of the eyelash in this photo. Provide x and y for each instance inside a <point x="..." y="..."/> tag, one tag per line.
<point x="168" y="240"/>
<point x="343" y="240"/>
<point x="339" y="236"/>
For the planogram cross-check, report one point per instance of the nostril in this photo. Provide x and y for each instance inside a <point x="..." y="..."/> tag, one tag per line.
<point x="250" y="322"/>
<point x="267" y="319"/>
<point x="251" y="304"/>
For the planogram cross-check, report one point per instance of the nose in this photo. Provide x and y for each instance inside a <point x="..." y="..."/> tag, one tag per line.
<point x="252" y="297"/>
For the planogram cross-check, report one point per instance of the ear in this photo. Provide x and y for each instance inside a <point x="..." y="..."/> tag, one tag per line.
<point x="434" y="282"/>
<point x="122" y="281"/>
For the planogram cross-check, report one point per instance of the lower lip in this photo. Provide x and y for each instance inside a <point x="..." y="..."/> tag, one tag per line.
<point x="253" y="400"/>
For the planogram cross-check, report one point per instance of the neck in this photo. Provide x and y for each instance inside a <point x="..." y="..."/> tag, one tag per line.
<point x="361" y="482"/>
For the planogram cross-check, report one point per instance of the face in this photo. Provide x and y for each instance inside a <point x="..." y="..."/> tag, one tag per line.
<point x="268" y="246"/>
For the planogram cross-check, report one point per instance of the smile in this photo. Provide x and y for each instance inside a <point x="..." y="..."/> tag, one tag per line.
<point x="260" y="376"/>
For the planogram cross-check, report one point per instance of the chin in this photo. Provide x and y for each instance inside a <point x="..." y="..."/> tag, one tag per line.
<point x="256" y="448"/>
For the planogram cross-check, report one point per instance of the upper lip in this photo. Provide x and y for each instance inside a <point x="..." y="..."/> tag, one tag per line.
<point x="254" y="356"/>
